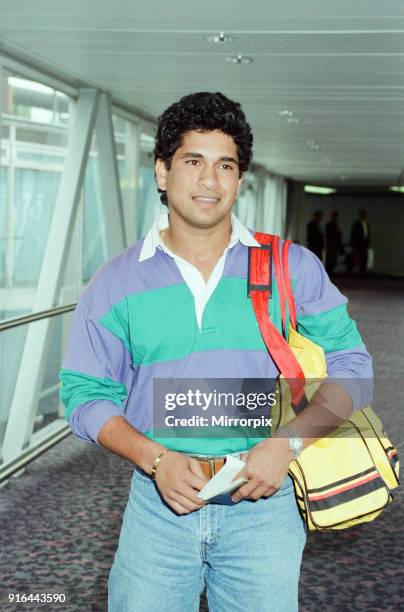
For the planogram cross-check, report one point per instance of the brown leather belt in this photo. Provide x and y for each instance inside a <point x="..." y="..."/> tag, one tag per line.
<point x="210" y="467"/>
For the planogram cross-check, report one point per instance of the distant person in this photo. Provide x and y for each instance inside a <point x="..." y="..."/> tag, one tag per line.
<point x="333" y="243"/>
<point x="315" y="234"/>
<point x="360" y="241"/>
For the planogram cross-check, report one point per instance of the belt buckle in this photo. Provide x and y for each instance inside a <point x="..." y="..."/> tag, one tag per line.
<point x="211" y="467"/>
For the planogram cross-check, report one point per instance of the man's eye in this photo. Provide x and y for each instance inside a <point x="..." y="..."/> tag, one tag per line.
<point x="227" y="167"/>
<point x="192" y="162"/>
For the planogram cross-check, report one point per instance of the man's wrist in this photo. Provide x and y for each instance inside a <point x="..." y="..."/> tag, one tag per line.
<point x="157" y="462"/>
<point x="147" y="452"/>
<point x="295" y="442"/>
<point x="284" y="440"/>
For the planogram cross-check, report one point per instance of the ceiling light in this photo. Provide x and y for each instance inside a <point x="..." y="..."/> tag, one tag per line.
<point x="318" y="190"/>
<point x="397" y="188"/>
<point x="292" y="120"/>
<point x="285" y="113"/>
<point x="219" y="38"/>
<point x="239" y="59"/>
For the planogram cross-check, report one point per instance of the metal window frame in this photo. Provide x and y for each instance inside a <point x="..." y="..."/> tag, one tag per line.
<point x="25" y="399"/>
<point x="20" y="445"/>
<point x="111" y="199"/>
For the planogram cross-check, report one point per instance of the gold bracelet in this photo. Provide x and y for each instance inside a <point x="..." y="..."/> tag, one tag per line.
<point x="157" y="461"/>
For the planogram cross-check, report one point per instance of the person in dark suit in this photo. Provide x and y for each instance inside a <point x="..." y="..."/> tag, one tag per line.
<point x="333" y="243"/>
<point x="315" y="234"/>
<point x="360" y="241"/>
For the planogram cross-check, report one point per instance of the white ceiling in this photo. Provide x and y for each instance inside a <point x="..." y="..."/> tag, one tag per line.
<point x="337" y="65"/>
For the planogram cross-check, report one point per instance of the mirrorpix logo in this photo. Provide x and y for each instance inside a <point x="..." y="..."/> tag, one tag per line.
<point x="212" y="404"/>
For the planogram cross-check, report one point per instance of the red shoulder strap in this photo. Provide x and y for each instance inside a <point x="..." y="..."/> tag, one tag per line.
<point x="279" y="280"/>
<point x="259" y="292"/>
<point x="287" y="284"/>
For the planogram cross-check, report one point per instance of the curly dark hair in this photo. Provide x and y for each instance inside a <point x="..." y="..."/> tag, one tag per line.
<point x="204" y="111"/>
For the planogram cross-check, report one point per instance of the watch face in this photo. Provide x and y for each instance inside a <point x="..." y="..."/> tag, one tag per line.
<point x="295" y="445"/>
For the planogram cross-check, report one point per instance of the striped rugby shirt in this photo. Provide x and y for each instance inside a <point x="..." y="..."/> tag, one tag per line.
<point x="136" y="322"/>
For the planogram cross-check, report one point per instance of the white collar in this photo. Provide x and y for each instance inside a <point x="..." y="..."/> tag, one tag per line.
<point x="153" y="240"/>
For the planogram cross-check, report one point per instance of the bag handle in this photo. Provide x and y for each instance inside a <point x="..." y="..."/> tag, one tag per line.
<point x="259" y="273"/>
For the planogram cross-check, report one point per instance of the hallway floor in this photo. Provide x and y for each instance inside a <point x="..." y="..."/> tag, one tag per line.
<point x="60" y="519"/>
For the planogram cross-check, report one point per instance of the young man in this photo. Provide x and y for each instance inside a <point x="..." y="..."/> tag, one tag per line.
<point x="174" y="306"/>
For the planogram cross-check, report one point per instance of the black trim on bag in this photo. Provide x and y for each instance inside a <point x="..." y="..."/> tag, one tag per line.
<point x="345" y="496"/>
<point x="342" y="481"/>
<point x="381" y="444"/>
<point x="393" y="460"/>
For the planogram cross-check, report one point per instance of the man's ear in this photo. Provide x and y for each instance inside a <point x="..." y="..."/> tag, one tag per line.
<point x="161" y="174"/>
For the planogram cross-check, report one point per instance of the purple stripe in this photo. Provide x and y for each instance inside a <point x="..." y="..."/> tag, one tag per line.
<point x="124" y="275"/>
<point x="94" y="350"/>
<point x="236" y="264"/>
<point x="224" y="363"/>
<point x="313" y="291"/>
<point x="138" y="409"/>
<point x="211" y="364"/>
<point x="88" y="419"/>
<point x="352" y="370"/>
<point x="355" y="362"/>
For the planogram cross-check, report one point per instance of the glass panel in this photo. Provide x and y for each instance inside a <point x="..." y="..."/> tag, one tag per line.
<point x="33" y="152"/>
<point x="49" y="407"/>
<point x="11" y="346"/>
<point x="147" y="194"/>
<point x="12" y="341"/>
<point x="125" y="134"/>
<point x="150" y="206"/>
<point x="34" y="101"/>
<point x="3" y="203"/>
<point x="30" y="157"/>
<point x="95" y="251"/>
<point x="71" y="285"/>
<point x="4" y="132"/>
<point x="35" y="196"/>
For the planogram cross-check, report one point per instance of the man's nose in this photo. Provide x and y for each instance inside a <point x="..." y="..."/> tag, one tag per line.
<point x="208" y="177"/>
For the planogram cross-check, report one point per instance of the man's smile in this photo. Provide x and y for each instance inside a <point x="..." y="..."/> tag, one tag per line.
<point x="205" y="199"/>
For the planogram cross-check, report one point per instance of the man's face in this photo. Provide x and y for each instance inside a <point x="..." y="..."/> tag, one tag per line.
<point x="203" y="180"/>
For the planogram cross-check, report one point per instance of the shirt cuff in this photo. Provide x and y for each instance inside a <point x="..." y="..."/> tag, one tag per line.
<point x="87" y="420"/>
<point x="360" y="389"/>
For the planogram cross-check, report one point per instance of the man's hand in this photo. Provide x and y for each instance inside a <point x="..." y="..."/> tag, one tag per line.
<point x="179" y="478"/>
<point x="266" y="467"/>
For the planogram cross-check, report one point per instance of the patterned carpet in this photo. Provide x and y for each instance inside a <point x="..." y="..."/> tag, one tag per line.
<point x="60" y="519"/>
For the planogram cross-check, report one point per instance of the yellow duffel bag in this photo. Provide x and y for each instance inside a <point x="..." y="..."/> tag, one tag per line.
<point x="342" y="479"/>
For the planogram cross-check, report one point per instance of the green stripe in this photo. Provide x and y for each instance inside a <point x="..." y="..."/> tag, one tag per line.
<point x="334" y="330"/>
<point x="205" y="445"/>
<point x="151" y="332"/>
<point x="78" y="388"/>
<point x="117" y="322"/>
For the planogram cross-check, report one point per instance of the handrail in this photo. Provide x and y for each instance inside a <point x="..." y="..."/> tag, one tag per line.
<point x="33" y="452"/>
<point x="36" y="316"/>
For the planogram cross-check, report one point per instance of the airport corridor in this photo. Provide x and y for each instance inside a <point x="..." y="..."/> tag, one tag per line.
<point x="61" y="516"/>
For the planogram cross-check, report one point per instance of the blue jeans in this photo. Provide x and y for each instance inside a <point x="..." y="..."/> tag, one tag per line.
<point x="248" y="554"/>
